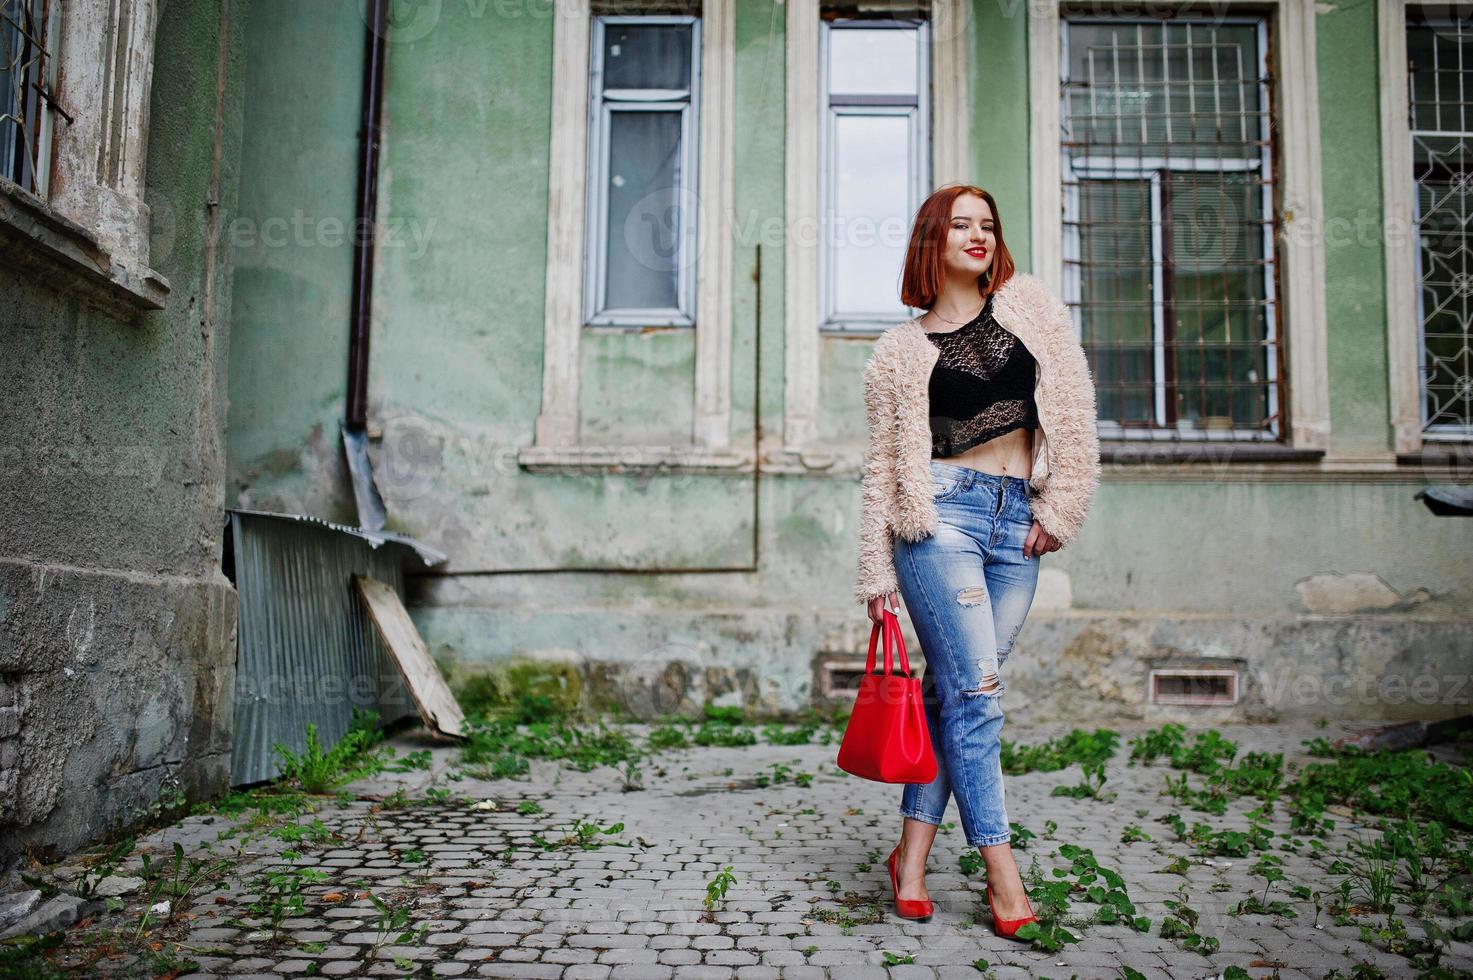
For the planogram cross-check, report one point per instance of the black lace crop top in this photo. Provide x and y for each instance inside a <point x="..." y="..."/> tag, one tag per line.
<point x="981" y="386"/>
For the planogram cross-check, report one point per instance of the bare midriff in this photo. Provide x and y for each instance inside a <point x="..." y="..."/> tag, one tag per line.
<point x="1010" y="454"/>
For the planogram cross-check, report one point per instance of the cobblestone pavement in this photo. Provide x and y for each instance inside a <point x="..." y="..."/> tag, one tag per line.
<point x="496" y="903"/>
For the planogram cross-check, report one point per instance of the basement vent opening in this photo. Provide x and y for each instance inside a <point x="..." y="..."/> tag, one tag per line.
<point x="840" y="678"/>
<point x="1194" y="686"/>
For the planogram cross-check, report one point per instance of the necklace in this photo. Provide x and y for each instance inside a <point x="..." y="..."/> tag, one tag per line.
<point x="966" y="321"/>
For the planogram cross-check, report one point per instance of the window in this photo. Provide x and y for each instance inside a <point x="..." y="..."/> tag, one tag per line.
<point x="835" y="101"/>
<point x="74" y="97"/>
<point x="1168" y="247"/>
<point x="1439" y="74"/>
<point x="27" y="77"/>
<point x="622" y="216"/>
<point x="643" y="140"/>
<point x="875" y="163"/>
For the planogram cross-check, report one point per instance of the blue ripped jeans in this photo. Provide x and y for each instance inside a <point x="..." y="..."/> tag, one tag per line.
<point x="967" y="589"/>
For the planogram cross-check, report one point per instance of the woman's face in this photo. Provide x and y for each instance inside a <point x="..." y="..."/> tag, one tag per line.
<point x="972" y="240"/>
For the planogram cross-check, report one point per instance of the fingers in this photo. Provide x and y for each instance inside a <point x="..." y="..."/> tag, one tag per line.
<point x="877" y="606"/>
<point x="1043" y="542"/>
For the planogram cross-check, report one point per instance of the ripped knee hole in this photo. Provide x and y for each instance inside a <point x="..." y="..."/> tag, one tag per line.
<point x="991" y="684"/>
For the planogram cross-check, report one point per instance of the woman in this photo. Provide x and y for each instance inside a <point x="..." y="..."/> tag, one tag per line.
<point x="983" y="457"/>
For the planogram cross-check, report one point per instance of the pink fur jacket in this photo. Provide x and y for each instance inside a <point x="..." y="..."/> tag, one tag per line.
<point x="896" y="483"/>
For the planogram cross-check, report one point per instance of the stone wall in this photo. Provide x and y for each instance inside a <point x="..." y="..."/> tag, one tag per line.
<point x="117" y="626"/>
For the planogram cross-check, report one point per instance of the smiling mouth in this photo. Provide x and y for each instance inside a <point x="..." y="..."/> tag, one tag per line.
<point x="977" y="252"/>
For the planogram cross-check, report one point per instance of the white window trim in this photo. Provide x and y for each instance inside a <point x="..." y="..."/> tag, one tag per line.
<point x="91" y="230"/>
<point x="556" y="438"/>
<point x="1403" y="332"/>
<point x="951" y="44"/>
<point x="920" y="163"/>
<point x="1301" y="199"/>
<point x="599" y="127"/>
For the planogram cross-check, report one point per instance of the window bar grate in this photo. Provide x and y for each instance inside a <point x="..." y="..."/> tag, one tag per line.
<point x="1438" y="63"/>
<point x="1169" y="262"/>
<point x="25" y="97"/>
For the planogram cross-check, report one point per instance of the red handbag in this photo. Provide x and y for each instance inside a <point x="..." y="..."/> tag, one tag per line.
<point x="887" y="738"/>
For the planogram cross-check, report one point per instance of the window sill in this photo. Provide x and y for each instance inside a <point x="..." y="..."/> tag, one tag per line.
<point x="64" y="255"/>
<point x="1453" y="455"/>
<point x="1211" y="452"/>
<point x="1194" y="462"/>
<point x="1224" y="462"/>
<point x="631" y="459"/>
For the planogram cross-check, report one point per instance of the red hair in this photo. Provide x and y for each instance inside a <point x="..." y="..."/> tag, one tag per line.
<point x="921" y="280"/>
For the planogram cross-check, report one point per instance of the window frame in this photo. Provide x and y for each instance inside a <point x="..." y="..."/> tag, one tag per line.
<point x="1405" y="322"/>
<point x="600" y="114"/>
<point x="1299" y="221"/>
<point x="831" y="317"/>
<point x="1142" y="169"/>
<point x="46" y="110"/>
<point x="88" y="234"/>
<point x="557" y="445"/>
<point x="953" y="46"/>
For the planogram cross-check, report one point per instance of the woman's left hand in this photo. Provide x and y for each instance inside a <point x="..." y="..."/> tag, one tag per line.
<point x="1039" y="542"/>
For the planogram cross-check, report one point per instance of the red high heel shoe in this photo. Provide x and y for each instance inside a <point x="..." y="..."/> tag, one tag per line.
<point x="1007" y="927"/>
<point x="907" y="908"/>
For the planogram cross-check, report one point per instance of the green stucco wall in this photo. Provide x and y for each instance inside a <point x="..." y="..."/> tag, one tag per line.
<point x="671" y="568"/>
<point x="1355" y="270"/>
<point x="291" y="246"/>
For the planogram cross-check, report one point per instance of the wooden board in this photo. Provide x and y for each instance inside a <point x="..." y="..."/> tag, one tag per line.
<point x="437" y="705"/>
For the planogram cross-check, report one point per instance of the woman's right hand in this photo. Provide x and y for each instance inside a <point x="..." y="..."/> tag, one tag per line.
<point x="877" y="606"/>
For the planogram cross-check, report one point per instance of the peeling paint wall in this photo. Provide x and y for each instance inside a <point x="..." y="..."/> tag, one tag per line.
<point x="1335" y="579"/>
<point x="292" y="247"/>
<point x="116" y="624"/>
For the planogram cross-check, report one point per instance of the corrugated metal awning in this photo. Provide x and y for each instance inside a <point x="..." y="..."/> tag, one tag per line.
<point x="306" y="649"/>
<point x="426" y="555"/>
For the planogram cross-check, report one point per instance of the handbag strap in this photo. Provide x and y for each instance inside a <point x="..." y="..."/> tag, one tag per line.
<point x="893" y="644"/>
<point x="874" y="637"/>
<point x="893" y="623"/>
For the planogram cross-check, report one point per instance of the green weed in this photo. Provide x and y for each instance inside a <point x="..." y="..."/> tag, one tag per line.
<point x="177" y="882"/>
<point x="1401" y="785"/>
<point x="1090" y="786"/>
<point x="393" y="924"/>
<point x="1055" y="754"/>
<point x="584" y="835"/>
<point x="279" y="893"/>
<point x="317" y="772"/>
<point x="1102" y="886"/>
<point x="716" y="888"/>
<point x="1181" y="925"/>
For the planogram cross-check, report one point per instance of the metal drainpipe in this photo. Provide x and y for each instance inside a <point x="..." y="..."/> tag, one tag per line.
<point x="371" y="514"/>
